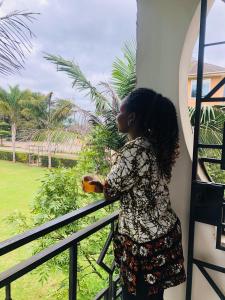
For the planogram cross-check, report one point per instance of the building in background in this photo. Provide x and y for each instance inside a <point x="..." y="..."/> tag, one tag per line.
<point x="212" y="76"/>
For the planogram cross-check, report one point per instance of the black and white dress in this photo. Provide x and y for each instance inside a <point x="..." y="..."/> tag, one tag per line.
<point x="148" y="235"/>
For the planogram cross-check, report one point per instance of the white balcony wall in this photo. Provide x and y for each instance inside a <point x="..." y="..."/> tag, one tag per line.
<point x="166" y="33"/>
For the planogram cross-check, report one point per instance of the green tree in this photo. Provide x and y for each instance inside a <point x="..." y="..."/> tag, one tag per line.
<point x="4" y="131"/>
<point x="34" y="109"/>
<point x="61" y="193"/>
<point x="47" y="117"/>
<point x="15" y="40"/>
<point x="107" y="95"/>
<point x="212" y="120"/>
<point x="48" y="203"/>
<point x="11" y="107"/>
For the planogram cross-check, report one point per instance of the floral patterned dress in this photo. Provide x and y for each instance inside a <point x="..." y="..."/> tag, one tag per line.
<point x="148" y="234"/>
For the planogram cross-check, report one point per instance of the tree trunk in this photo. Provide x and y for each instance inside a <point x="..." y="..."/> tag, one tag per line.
<point x="49" y="150"/>
<point x="13" y="130"/>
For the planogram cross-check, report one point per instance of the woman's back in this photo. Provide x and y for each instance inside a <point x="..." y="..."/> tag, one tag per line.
<point x="146" y="212"/>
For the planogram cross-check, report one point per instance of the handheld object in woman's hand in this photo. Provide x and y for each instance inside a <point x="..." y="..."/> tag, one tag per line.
<point x="86" y="184"/>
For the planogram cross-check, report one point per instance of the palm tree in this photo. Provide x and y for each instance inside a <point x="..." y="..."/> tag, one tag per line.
<point x="11" y="107"/>
<point x="15" y="40"/>
<point x="47" y="118"/>
<point x="57" y="113"/>
<point x="107" y="96"/>
<point x="212" y="120"/>
<point x="4" y="131"/>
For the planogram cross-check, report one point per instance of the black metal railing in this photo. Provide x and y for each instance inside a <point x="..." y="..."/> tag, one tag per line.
<point x="207" y="198"/>
<point x="70" y="243"/>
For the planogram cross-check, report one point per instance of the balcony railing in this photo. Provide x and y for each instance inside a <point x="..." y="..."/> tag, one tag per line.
<point x="70" y="243"/>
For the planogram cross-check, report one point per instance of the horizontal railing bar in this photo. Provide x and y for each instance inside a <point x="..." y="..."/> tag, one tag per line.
<point x="210" y="146"/>
<point x="221" y="247"/>
<point x="209" y="183"/>
<point x="33" y="262"/>
<point x="214" y="44"/>
<point x="208" y="265"/>
<point x="39" y="231"/>
<point x="211" y="160"/>
<point x="213" y="99"/>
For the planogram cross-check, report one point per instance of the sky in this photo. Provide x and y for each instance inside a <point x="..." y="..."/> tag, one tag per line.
<point x="215" y="32"/>
<point x="92" y="33"/>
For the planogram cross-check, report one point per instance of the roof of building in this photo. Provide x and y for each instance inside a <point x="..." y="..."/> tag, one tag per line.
<point x="208" y="68"/>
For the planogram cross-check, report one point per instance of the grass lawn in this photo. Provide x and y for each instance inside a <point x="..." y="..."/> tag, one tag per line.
<point x="18" y="185"/>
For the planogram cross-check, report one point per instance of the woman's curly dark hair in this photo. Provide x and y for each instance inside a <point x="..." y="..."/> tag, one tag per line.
<point x="157" y="119"/>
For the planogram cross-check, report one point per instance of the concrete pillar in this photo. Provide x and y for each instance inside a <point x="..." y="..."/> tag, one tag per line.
<point x="166" y="34"/>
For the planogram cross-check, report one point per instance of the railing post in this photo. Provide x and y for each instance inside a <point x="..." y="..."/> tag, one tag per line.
<point x="8" y="292"/>
<point x="111" y="291"/>
<point x="203" y="17"/>
<point x="73" y="273"/>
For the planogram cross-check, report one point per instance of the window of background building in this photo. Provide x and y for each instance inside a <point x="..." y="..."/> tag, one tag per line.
<point x="205" y="87"/>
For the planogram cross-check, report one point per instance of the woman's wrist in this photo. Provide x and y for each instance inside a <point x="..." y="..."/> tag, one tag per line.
<point x="98" y="186"/>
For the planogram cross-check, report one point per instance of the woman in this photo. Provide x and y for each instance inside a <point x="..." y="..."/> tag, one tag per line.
<point x="147" y="241"/>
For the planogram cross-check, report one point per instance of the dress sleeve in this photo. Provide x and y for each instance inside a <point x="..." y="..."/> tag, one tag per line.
<point x="121" y="178"/>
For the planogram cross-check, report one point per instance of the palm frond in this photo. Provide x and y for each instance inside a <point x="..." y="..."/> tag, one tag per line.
<point x="3" y="94"/>
<point x="209" y="114"/>
<point x="79" y="80"/>
<point x="15" y="40"/>
<point x="212" y="120"/>
<point x="124" y="71"/>
<point x="84" y="117"/>
<point x="5" y="108"/>
<point x="110" y="91"/>
<point x="61" y="112"/>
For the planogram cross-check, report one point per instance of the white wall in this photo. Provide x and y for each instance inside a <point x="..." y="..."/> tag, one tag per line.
<point x="166" y="33"/>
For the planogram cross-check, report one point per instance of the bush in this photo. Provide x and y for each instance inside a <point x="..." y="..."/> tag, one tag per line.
<point x="6" y="155"/>
<point x="58" y="162"/>
<point x="61" y="193"/>
<point x="20" y="156"/>
<point x="24" y="158"/>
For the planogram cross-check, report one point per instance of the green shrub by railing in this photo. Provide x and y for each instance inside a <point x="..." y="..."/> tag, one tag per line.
<point x="5" y="155"/>
<point x="58" y="162"/>
<point x="24" y="158"/>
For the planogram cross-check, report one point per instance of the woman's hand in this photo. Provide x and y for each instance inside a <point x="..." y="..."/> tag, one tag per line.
<point x="98" y="186"/>
<point x="87" y="178"/>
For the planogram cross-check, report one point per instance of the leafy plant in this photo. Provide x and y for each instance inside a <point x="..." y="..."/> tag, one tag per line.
<point x="48" y="117"/>
<point x="107" y="95"/>
<point x="212" y="120"/>
<point x="11" y="107"/>
<point x="59" y="194"/>
<point x="4" y="131"/>
<point x="15" y="40"/>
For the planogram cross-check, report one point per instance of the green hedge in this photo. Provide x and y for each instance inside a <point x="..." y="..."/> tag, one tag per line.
<point x="58" y="162"/>
<point x="24" y="158"/>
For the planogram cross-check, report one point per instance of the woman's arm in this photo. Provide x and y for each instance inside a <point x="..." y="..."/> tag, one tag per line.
<point x="100" y="188"/>
<point x="122" y="175"/>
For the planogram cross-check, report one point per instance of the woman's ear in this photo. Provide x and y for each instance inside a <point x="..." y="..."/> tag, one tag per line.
<point x="131" y="118"/>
